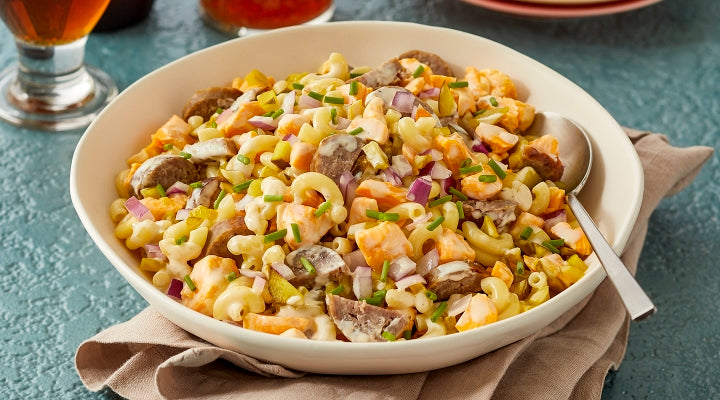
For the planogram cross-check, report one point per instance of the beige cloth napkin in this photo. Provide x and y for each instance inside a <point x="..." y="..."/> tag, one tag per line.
<point x="148" y="357"/>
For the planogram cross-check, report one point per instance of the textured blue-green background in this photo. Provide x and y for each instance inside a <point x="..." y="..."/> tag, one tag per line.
<point x="656" y="68"/>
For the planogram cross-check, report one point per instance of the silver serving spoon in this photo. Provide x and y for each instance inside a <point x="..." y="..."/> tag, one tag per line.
<point x="576" y="154"/>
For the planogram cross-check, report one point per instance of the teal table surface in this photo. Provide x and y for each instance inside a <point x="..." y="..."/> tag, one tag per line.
<point x="655" y="68"/>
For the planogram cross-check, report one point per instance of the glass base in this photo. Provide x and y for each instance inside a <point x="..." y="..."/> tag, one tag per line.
<point x="78" y="116"/>
<point x="242" y="31"/>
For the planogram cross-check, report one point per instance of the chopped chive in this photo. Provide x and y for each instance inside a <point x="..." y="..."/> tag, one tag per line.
<point x="160" y="190"/>
<point x="355" y="131"/>
<point x="493" y="101"/>
<point x="407" y="334"/>
<point x="430" y="295"/>
<point x="418" y="71"/>
<point x="219" y="110"/>
<point x="268" y="114"/>
<point x="520" y="268"/>
<point x="298" y="86"/>
<point x="438" y="311"/>
<point x="308" y="265"/>
<point x="242" y="186"/>
<point x="322" y="209"/>
<point x="460" y="195"/>
<point x="557" y="242"/>
<point x="458" y="84"/>
<point x="381" y="216"/>
<point x="190" y="283"/>
<point x="334" y="100"/>
<point x="385" y="270"/>
<point x="213" y="124"/>
<point x="439" y="201"/>
<point x="465" y="162"/>
<point x="461" y="211"/>
<point x="487" y="178"/>
<point x="185" y="155"/>
<point x="497" y="169"/>
<point x="167" y="146"/>
<point x="277" y="113"/>
<point x="275" y="236"/>
<point x="525" y="234"/>
<point x="221" y="196"/>
<point x="436" y="222"/>
<point x="388" y="336"/>
<point x="243" y="159"/>
<point x="337" y="290"/>
<point x="546" y="244"/>
<point x="296" y="232"/>
<point x="271" y="198"/>
<point x="315" y="95"/>
<point x="471" y="169"/>
<point x="231" y="276"/>
<point x="479" y="112"/>
<point x="376" y="299"/>
<point x="356" y="74"/>
<point x="182" y="239"/>
<point x="333" y="115"/>
<point x="353" y="88"/>
<point x="196" y="185"/>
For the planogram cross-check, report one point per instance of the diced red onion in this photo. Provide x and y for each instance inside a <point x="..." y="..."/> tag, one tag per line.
<point x="267" y="123"/>
<point x="408" y="281"/>
<point x="282" y="269"/>
<point x="419" y="190"/>
<point x="306" y="101"/>
<point x="177" y="187"/>
<point x="342" y="123"/>
<point x="435" y="154"/>
<point x="401" y="166"/>
<point x="348" y="185"/>
<point x="479" y="147"/>
<point x="153" y="251"/>
<point x="175" y="288"/>
<point x="362" y="282"/>
<point x="420" y="221"/>
<point x="429" y="93"/>
<point x="290" y="138"/>
<point x="459" y="305"/>
<point x="401" y="267"/>
<point x="403" y="101"/>
<point x="354" y="259"/>
<point x="445" y="185"/>
<point x="554" y="217"/>
<point x="390" y="176"/>
<point x="258" y="285"/>
<point x="439" y="171"/>
<point x="240" y="205"/>
<point x="138" y="209"/>
<point x="224" y="116"/>
<point x="288" y="103"/>
<point x="182" y="214"/>
<point x="251" y="273"/>
<point x="428" y="261"/>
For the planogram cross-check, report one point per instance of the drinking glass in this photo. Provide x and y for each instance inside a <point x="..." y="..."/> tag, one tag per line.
<point x="51" y="88"/>
<point x="243" y="17"/>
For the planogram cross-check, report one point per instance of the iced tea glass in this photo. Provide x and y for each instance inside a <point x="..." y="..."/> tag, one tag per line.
<point x="242" y="17"/>
<point x="51" y="88"/>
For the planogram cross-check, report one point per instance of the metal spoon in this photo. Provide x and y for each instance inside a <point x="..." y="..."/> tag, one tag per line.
<point x="577" y="158"/>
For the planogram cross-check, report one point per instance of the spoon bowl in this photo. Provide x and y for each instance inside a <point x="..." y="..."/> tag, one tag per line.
<point x="576" y="155"/>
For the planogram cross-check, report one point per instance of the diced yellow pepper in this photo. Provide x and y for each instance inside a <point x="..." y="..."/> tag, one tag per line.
<point x="268" y="101"/>
<point x="375" y="156"/>
<point x="280" y="289"/>
<point x="282" y="151"/>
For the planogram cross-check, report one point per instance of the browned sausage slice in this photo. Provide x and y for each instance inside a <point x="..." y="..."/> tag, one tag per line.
<point x="205" y="102"/>
<point x="220" y="233"/>
<point x="389" y="73"/>
<point x="206" y="195"/>
<point x="328" y="264"/>
<point x="454" y="277"/>
<point x="546" y="166"/>
<point x="502" y="212"/>
<point x="211" y="149"/>
<point x="362" y="322"/>
<point x="437" y="64"/>
<point x="337" y="154"/>
<point x="164" y="170"/>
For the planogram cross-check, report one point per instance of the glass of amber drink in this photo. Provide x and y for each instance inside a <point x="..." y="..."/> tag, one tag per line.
<point x="51" y="88"/>
<point x="242" y="17"/>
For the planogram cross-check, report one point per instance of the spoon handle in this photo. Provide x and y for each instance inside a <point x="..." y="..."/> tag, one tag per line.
<point x="637" y="303"/>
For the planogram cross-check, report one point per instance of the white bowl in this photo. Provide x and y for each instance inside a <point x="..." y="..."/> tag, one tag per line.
<point x="612" y="195"/>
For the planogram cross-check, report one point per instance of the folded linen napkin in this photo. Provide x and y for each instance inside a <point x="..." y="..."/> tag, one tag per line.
<point x="148" y="357"/>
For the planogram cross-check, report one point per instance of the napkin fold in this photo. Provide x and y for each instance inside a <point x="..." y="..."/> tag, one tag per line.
<point x="148" y="357"/>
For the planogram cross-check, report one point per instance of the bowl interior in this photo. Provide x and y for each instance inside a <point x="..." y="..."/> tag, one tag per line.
<point x="612" y="195"/>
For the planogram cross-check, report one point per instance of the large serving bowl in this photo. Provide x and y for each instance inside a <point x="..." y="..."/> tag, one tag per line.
<point x="612" y="195"/>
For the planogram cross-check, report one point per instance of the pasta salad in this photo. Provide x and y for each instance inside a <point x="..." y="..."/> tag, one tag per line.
<point x="359" y="204"/>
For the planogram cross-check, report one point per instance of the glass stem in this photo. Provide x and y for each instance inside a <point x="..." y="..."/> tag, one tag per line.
<point x="51" y="78"/>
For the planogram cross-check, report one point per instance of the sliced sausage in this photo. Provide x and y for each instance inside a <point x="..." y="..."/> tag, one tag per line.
<point x="220" y="233"/>
<point x="337" y="154"/>
<point x="389" y="73"/>
<point x="362" y="322"/>
<point x="206" y="195"/>
<point x="454" y="277"/>
<point x="211" y="149"/>
<point x="205" y="102"/>
<point x="547" y="166"/>
<point x="165" y="170"/>
<point x="328" y="264"/>
<point x="502" y="212"/>
<point x="437" y="64"/>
